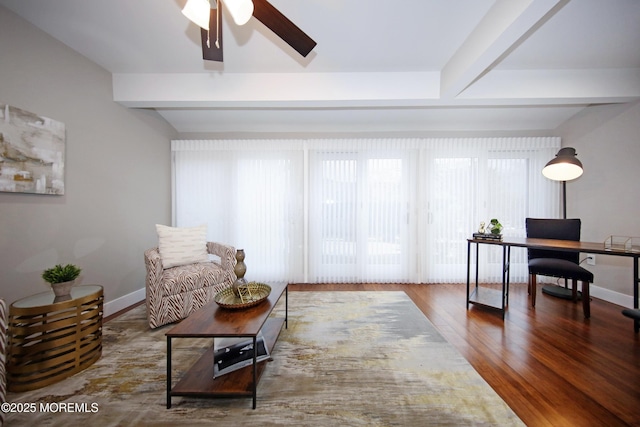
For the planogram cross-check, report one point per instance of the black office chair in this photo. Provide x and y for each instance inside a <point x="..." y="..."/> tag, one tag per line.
<point x="633" y="313"/>
<point x="560" y="264"/>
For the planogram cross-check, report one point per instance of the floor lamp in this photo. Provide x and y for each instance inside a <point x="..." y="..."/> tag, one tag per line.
<point x="564" y="167"/>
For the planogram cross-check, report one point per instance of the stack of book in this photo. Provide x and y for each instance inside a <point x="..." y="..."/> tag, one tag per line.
<point x="487" y="236"/>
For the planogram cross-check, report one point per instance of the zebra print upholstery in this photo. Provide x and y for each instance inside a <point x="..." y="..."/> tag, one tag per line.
<point x="174" y="293"/>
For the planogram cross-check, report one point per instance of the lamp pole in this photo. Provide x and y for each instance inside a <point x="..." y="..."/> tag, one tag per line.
<point x="564" y="199"/>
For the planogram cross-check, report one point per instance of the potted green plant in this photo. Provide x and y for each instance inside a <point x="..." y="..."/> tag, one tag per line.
<point x="495" y="227"/>
<point x="62" y="278"/>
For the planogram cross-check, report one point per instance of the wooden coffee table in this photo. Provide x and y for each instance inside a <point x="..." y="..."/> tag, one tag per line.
<point x="213" y="321"/>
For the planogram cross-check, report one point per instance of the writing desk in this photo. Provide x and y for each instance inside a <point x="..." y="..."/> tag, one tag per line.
<point x="488" y="297"/>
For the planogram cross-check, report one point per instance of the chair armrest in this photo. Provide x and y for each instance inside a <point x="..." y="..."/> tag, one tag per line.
<point x="226" y="253"/>
<point x="153" y="263"/>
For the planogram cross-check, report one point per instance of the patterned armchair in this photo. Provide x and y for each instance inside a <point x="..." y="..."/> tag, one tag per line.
<point x="174" y="293"/>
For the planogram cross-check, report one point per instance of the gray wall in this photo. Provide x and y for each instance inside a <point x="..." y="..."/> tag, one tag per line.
<point x="607" y="196"/>
<point x="117" y="173"/>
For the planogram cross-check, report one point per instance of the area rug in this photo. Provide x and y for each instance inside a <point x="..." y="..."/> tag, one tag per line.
<point x="346" y="359"/>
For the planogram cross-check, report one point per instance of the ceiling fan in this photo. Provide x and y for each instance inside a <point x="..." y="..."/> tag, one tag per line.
<point x="210" y="21"/>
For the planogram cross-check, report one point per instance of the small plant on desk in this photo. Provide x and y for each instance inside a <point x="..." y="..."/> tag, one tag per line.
<point x="495" y="227"/>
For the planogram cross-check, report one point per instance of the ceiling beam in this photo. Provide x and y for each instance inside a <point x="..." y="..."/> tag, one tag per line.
<point x="273" y="89"/>
<point x="345" y="90"/>
<point x="535" y="87"/>
<point x="505" y="26"/>
<point x="399" y="121"/>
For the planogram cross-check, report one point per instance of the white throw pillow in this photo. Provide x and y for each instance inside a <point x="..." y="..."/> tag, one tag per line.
<point x="180" y="246"/>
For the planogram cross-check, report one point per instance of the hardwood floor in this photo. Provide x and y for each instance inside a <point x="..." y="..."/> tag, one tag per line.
<point x="550" y="365"/>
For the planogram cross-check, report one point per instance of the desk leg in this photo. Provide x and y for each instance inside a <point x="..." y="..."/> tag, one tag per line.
<point x="468" y="270"/>
<point x="168" y="372"/>
<point x="477" y="264"/>
<point x="506" y="259"/>
<point x="504" y="278"/>
<point x="508" y="271"/>
<point x="506" y="263"/>
<point x="636" y="283"/>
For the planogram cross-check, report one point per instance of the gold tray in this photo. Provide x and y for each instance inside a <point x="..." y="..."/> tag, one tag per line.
<point x="253" y="293"/>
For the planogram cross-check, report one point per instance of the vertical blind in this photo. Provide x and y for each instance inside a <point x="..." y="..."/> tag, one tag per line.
<point x="358" y="210"/>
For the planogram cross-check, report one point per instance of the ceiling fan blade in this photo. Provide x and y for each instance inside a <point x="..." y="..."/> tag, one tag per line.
<point x="212" y="39"/>
<point x="273" y="19"/>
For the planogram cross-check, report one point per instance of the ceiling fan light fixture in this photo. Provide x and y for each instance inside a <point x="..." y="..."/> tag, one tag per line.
<point x="240" y="10"/>
<point x="564" y="167"/>
<point x="198" y="12"/>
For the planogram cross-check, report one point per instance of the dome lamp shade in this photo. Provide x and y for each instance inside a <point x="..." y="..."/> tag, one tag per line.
<point x="564" y="167"/>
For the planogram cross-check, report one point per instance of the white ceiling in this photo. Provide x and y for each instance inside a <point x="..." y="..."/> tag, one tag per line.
<point x="402" y="66"/>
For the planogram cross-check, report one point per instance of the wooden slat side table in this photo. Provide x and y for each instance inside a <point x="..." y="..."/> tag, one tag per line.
<point x="50" y="340"/>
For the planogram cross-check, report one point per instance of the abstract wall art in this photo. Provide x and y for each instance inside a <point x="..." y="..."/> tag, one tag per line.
<point x="31" y="152"/>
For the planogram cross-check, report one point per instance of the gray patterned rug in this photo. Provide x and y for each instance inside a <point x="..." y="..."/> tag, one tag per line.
<point x="347" y="359"/>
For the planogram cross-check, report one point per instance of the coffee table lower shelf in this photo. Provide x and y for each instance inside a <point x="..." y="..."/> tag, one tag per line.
<point x="199" y="381"/>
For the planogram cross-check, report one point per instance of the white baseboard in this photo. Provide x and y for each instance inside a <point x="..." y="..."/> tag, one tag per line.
<point x="123" y="302"/>
<point x="604" y="294"/>
<point x="611" y="296"/>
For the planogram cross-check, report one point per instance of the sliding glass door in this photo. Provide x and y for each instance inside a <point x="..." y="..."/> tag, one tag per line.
<point x="359" y="217"/>
<point x="451" y="211"/>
